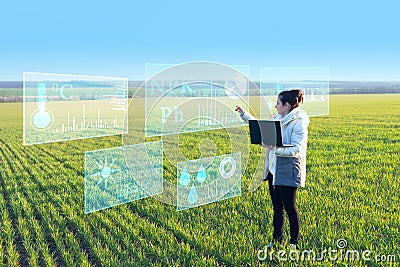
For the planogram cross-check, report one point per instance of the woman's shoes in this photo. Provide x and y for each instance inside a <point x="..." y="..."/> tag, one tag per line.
<point x="291" y="246"/>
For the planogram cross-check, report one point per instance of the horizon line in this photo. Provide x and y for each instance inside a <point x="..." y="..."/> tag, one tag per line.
<point x="135" y="80"/>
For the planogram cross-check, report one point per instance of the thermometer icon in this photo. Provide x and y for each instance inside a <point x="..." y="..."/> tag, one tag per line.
<point x="41" y="118"/>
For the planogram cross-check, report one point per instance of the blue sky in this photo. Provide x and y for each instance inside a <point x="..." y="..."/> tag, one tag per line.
<point x="358" y="40"/>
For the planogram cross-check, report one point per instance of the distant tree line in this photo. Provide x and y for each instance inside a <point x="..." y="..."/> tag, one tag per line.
<point x="10" y="99"/>
<point x="11" y="91"/>
<point x="11" y="84"/>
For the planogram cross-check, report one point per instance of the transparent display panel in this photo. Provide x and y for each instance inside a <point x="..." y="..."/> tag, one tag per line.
<point x="60" y="107"/>
<point x="314" y="81"/>
<point x="208" y="180"/>
<point x="193" y="97"/>
<point x="120" y="175"/>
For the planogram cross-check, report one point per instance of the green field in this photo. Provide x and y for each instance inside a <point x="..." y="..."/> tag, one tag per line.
<point x="352" y="192"/>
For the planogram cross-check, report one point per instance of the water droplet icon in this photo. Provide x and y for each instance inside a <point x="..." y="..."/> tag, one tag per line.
<point x="185" y="178"/>
<point x="193" y="195"/>
<point x="201" y="174"/>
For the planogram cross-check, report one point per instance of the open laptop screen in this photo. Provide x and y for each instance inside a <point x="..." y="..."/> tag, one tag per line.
<point x="267" y="132"/>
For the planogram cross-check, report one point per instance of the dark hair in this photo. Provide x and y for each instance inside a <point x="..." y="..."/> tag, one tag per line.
<point x="293" y="97"/>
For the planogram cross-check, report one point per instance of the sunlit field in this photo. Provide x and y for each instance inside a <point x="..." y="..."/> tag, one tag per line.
<point x="352" y="194"/>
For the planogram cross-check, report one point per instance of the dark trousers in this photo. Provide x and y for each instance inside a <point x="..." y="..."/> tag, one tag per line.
<point x="284" y="198"/>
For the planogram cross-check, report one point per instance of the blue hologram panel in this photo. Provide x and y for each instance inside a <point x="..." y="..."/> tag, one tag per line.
<point x="111" y="179"/>
<point x="194" y="97"/>
<point x="313" y="81"/>
<point x="208" y="180"/>
<point x="60" y="107"/>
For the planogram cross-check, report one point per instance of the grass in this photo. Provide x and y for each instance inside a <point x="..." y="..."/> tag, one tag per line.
<point x="352" y="192"/>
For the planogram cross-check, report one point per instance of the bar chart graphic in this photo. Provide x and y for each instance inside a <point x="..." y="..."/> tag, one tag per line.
<point x="212" y="114"/>
<point x="84" y="124"/>
<point x="59" y="107"/>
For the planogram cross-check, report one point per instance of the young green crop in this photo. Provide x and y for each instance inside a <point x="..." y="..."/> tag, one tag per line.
<point x="352" y="192"/>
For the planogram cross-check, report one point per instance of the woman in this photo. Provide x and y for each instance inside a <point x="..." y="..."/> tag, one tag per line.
<point x="285" y="167"/>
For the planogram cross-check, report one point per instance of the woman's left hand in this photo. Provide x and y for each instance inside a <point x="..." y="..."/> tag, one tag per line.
<point x="269" y="147"/>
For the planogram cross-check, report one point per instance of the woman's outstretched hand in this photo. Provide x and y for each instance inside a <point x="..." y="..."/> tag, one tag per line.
<point x="240" y="110"/>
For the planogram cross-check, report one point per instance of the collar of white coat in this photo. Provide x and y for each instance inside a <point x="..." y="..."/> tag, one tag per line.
<point x="294" y="114"/>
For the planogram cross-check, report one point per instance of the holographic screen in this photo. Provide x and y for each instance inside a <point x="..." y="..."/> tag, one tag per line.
<point x="314" y="81"/>
<point x="111" y="179"/>
<point x="60" y="107"/>
<point x="193" y="97"/>
<point x="208" y="180"/>
<point x="191" y="107"/>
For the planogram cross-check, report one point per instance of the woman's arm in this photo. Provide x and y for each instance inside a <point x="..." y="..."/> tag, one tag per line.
<point x="244" y="115"/>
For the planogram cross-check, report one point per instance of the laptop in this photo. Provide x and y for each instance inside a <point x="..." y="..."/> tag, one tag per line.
<point x="267" y="132"/>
